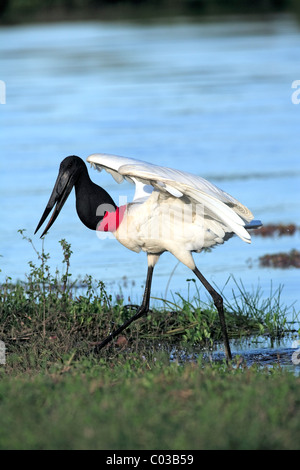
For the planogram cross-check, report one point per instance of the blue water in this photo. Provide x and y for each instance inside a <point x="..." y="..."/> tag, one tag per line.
<point x="213" y="99"/>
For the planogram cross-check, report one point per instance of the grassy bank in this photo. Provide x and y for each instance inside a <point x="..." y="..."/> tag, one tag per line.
<point x="134" y="403"/>
<point x="55" y="10"/>
<point x="55" y="394"/>
<point x="51" y="314"/>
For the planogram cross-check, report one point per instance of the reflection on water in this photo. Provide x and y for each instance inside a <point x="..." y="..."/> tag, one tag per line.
<point x="212" y="99"/>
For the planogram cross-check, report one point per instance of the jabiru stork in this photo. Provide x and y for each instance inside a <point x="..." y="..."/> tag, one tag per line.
<point x="171" y="211"/>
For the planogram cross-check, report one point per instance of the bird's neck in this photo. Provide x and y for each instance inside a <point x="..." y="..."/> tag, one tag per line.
<point x="92" y="201"/>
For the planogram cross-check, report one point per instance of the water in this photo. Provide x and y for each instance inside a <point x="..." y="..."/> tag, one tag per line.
<point x="260" y="352"/>
<point x="213" y="99"/>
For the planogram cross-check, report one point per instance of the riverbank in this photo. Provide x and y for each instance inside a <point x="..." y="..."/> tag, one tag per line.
<point x="14" y="11"/>
<point x="50" y="315"/>
<point x="157" y="387"/>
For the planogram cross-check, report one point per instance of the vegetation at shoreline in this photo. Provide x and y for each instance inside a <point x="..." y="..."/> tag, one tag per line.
<point x="55" y="394"/>
<point x="52" y="10"/>
<point x="50" y="315"/>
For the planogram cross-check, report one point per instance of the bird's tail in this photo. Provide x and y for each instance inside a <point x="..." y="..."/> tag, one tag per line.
<point x="253" y="224"/>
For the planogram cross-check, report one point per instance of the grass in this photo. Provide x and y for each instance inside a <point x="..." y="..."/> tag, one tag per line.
<point x="54" y="394"/>
<point x="134" y="403"/>
<point x="50" y="315"/>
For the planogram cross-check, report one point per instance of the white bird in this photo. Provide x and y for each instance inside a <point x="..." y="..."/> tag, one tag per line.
<point x="172" y="210"/>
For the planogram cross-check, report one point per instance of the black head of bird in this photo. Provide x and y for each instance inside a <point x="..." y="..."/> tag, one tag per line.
<point x="89" y="196"/>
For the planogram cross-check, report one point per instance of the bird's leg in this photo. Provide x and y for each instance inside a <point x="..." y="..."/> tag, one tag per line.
<point x="218" y="301"/>
<point x="144" y="308"/>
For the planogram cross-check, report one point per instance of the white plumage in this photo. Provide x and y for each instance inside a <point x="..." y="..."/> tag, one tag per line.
<point x="173" y="210"/>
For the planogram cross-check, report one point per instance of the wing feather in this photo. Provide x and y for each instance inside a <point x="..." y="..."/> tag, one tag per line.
<point x="178" y="183"/>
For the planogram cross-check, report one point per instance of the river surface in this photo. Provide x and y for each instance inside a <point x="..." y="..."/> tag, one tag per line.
<point x="214" y="99"/>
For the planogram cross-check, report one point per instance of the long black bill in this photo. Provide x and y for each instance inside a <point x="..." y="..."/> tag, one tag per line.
<point x="62" y="188"/>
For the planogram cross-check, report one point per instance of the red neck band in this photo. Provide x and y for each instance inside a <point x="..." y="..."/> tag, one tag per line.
<point x="112" y="220"/>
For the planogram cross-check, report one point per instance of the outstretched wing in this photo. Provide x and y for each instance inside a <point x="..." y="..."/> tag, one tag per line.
<point x="218" y="204"/>
<point x="113" y="163"/>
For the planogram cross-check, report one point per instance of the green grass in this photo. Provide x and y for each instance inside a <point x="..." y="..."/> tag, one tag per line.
<point x="48" y="316"/>
<point x="54" y="394"/>
<point x="130" y="403"/>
